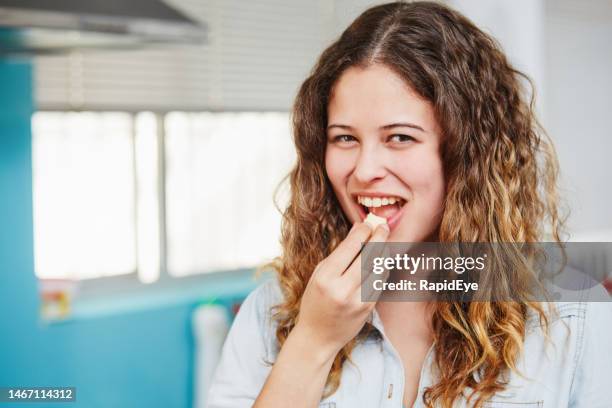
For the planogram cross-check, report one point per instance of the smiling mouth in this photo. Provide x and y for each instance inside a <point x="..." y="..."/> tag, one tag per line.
<point x="386" y="207"/>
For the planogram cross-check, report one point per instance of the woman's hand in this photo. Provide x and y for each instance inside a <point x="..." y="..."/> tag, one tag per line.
<point x="331" y="310"/>
<point x="331" y="314"/>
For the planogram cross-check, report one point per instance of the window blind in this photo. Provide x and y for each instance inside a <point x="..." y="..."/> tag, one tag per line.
<point x="256" y="56"/>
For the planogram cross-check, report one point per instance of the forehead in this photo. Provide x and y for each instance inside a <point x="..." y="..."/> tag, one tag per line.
<point x="374" y="96"/>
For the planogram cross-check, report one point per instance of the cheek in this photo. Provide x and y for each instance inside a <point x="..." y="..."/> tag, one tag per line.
<point x="434" y="187"/>
<point x="425" y="177"/>
<point x="337" y="166"/>
<point x="423" y="173"/>
<point x="425" y="180"/>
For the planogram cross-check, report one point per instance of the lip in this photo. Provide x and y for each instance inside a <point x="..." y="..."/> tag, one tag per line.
<point x="394" y="220"/>
<point x="374" y="194"/>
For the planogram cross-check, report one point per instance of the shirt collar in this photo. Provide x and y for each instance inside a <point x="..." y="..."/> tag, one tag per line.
<point x="376" y="321"/>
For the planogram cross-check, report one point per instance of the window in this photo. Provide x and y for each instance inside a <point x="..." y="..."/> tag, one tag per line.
<point x="84" y="225"/>
<point x="222" y="169"/>
<point x="117" y="193"/>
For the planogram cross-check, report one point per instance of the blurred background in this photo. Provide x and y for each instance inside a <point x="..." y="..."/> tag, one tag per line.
<point x="141" y="143"/>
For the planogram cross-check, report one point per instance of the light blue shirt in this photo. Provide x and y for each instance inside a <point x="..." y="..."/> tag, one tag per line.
<point x="574" y="369"/>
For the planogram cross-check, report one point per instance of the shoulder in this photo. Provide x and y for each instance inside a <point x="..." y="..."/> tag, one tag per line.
<point x="591" y="303"/>
<point x="573" y="294"/>
<point x="579" y="325"/>
<point x="598" y="320"/>
<point x="569" y="354"/>
<point x="592" y="358"/>
<point x="591" y="313"/>
<point x="248" y="351"/>
<point x="264" y="297"/>
<point x="256" y="314"/>
<point x="574" y="322"/>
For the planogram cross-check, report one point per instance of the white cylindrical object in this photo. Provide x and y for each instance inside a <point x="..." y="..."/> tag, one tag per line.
<point x="210" y="326"/>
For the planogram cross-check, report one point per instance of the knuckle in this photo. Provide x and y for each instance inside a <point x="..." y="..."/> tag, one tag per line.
<point x="320" y="284"/>
<point x="340" y="299"/>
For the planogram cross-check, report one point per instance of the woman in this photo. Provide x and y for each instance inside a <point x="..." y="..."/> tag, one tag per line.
<point x="413" y="114"/>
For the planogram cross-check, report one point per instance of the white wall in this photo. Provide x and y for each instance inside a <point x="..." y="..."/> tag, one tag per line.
<point x="579" y="106"/>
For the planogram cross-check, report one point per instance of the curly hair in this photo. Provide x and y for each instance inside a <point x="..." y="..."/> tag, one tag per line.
<point x="499" y="165"/>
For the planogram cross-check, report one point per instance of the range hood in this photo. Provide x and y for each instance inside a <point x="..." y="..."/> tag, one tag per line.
<point x="34" y="27"/>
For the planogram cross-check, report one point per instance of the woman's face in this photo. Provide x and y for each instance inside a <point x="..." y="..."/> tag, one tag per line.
<point x="383" y="155"/>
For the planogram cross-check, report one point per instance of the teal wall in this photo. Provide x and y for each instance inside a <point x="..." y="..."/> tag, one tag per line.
<point x="139" y="358"/>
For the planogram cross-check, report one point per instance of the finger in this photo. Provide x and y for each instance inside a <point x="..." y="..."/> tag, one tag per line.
<point x="370" y="290"/>
<point x="372" y="281"/>
<point x="371" y="287"/>
<point x="374" y="248"/>
<point x="344" y="254"/>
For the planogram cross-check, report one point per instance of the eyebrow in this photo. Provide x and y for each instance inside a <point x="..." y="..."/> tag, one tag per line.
<point x="385" y="127"/>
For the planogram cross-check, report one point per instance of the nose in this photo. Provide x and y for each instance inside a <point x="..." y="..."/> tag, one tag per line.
<point x="370" y="165"/>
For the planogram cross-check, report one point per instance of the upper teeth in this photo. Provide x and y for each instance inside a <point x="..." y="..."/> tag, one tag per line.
<point x="377" y="201"/>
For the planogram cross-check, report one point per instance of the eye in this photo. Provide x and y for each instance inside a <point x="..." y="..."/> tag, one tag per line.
<point x="343" y="139"/>
<point x="400" y="138"/>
